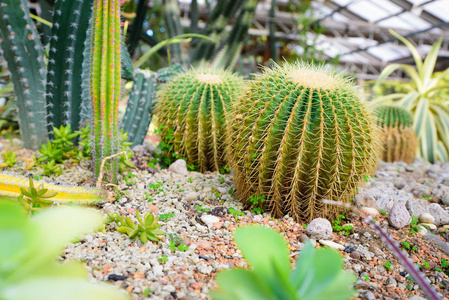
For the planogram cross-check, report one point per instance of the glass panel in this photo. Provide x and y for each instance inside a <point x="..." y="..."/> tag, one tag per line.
<point x="439" y="9"/>
<point x="368" y="11"/>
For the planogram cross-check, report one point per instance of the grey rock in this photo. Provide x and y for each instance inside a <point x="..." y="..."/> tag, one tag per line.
<point x="382" y="198"/>
<point x="445" y="197"/>
<point x="399" y="183"/>
<point x="417" y="207"/>
<point x="355" y="255"/>
<point x="410" y="168"/>
<point x="303" y="238"/>
<point x="421" y="191"/>
<point x="370" y="295"/>
<point x="320" y="229"/>
<point x="415" y="297"/>
<point x="399" y="216"/>
<point x="391" y="282"/>
<point x="141" y="149"/>
<point x="444" y="181"/>
<point x="441" y="216"/>
<point x="179" y="167"/>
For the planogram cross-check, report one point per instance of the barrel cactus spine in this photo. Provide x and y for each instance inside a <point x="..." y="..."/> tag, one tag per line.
<point x="105" y="71"/>
<point x="301" y="134"/>
<point x="192" y="111"/>
<point x="399" y="139"/>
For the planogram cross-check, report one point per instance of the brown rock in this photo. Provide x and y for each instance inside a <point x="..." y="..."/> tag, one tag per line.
<point x="204" y="245"/>
<point x="303" y="238"/>
<point x="355" y="255"/>
<point x="218" y="225"/>
<point x="154" y="209"/>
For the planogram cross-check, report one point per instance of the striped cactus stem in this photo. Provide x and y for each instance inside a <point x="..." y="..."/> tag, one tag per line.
<point x="105" y="71"/>
<point x="399" y="139"/>
<point x="71" y="20"/>
<point x="10" y="187"/>
<point x="300" y="135"/>
<point x="192" y="111"/>
<point x="24" y="54"/>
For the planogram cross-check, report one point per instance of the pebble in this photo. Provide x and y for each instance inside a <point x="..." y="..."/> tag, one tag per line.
<point x="320" y="229"/>
<point x="303" y="238"/>
<point x="370" y="211"/>
<point x="430" y="225"/>
<point x="332" y="244"/>
<point x="355" y="254"/>
<point x="417" y="207"/>
<point x="399" y="216"/>
<point x="179" y="167"/>
<point x="209" y="219"/>
<point x="350" y="249"/>
<point x="192" y="196"/>
<point x="426" y="218"/>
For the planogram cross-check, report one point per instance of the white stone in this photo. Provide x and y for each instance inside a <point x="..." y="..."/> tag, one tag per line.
<point x="430" y="225"/>
<point x="370" y="211"/>
<point x="209" y="219"/>
<point x="179" y="167"/>
<point x="332" y="244"/>
<point x="441" y="216"/>
<point x="426" y="218"/>
<point x="319" y="228"/>
<point x="192" y="196"/>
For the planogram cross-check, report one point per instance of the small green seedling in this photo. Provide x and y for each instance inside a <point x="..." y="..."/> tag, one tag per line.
<point x="166" y="217"/>
<point x="162" y="259"/>
<point x="32" y="197"/>
<point x="366" y="277"/>
<point x="383" y="212"/>
<point x="236" y="213"/>
<point x="257" y="201"/>
<point x="146" y="292"/>
<point x="387" y="265"/>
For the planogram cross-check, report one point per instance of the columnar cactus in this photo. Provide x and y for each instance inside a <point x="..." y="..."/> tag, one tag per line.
<point x="105" y="83"/>
<point x="192" y="114"/>
<point x="301" y="135"/>
<point x="139" y="110"/>
<point x="24" y="54"/>
<point x="399" y="138"/>
<point x="67" y="43"/>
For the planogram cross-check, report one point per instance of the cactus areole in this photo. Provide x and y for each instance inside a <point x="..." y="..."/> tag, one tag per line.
<point x="105" y="70"/>
<point x="193" y="115"/>
<point x="300" y="135"/>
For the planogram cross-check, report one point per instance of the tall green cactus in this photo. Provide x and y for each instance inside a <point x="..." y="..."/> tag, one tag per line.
<point x="139" y="110"/>
<point x="138" y="113"/>
<point x="301" y="135"/>
<point x="399" y="139"/>
<point x="192" y="112"/>
<point x="23" y="52"/>
<point x="105" y="71"/>
<point x="64" y="78"/>
<point x="173" y="25"/>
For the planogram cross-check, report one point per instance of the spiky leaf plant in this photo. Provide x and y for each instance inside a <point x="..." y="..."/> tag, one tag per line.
<point x="192" y="113"/>
<point x="105" y="71"/>
<point x="399" y="138"/>
<point x="301" y="134"/>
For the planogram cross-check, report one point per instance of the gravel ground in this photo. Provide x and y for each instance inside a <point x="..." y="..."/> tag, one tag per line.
<point x="196" y="211"/>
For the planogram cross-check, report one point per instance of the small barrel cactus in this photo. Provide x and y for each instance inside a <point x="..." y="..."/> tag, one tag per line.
<point x="399" y="138"/>
<point x="192" y="113"/>
<point x="301" y="135"/>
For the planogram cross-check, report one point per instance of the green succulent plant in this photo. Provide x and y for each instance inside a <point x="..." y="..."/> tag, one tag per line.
<point x="50" y="152"/>
<point x="399" y="139"/>
<point x="51" y="167"/>
<point x="423" y="99"/>
<point x="318" y="274"/>
<point x="9" y="158"/>
<point x="300" y="135"/>
<point x="192" y="112"/>
<point x="32" y="197"/>
<point x="63" y="137"/>
<point x="146" y="228"/>
<point x="30" y="271"/>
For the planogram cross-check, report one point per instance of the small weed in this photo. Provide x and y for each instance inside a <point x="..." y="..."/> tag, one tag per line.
<point x="337" y="227"/>
<point x="176" y="243"/>
<point x="128" y="178"/>
<point x="387" y="265"/>
<point x="190" y="179"/>
<point x="426" y="198"/>
<point x="414" y="228"/>
<point x="383" y="212"/>
<point x="162" y="259"/>
<point x="200" y="209"/>
<point x="166" y="217"/>
<point x="146" y="292"/>
<point x="225" y="170"/>
<point x="425" y="264"/>
<point x="410" y="284"/>
<point x="257" y="201"/>
<point x="236" y="213"/>
<point x="155" y="186"/>
<point x="366" y="277"/>
<point x="366" y="178"/>
<point x="305" y="226"/>
<point x="221" y="180"/>
<point x="348" y="229"/>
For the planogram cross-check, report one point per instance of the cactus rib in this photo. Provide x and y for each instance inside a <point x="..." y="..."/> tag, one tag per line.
<point x="10" y="188"/>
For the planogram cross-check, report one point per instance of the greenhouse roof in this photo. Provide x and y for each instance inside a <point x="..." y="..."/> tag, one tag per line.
<point x="358" y="30"/>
